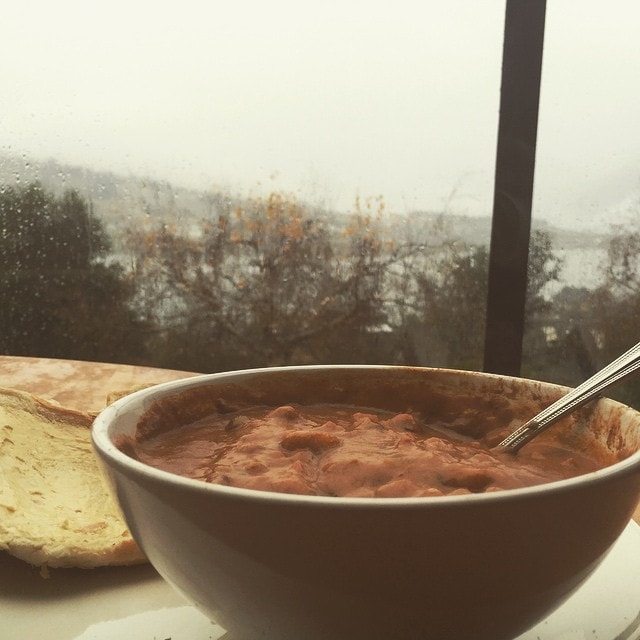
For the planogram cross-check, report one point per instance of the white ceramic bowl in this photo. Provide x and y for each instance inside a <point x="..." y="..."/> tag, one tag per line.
<point x="285" y="567"/>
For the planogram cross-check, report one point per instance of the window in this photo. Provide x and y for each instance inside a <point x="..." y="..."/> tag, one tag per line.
<point x="256" y="184"/>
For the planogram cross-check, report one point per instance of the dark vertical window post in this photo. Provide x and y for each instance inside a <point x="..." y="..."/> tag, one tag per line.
<point x="513" y="190"/>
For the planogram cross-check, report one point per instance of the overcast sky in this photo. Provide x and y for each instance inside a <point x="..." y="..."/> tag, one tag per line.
<point x="328" y="100"/>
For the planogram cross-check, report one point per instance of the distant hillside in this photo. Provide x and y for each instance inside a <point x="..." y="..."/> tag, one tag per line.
<point x="122" y="199"/>
<point x="477" y="230"/>
<point x="115" y="198"/>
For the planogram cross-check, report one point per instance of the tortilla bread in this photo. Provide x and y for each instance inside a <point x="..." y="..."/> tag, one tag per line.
<point x="55" y="508"/>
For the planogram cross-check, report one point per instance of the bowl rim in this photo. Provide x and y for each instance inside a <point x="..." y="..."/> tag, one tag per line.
<point x="113" y="457"/>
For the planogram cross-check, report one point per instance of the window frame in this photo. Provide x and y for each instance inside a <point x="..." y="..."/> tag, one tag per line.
<point x="513" y="188"/>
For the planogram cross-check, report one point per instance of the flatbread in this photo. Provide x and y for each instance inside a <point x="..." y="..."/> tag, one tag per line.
<point x="112" y="396"/>
<point x="55" y="508"/>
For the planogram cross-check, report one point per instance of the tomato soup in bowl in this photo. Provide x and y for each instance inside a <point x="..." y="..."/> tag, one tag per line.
<point x="369" y="502"/>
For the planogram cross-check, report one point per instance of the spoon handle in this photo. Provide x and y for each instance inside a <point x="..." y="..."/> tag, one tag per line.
<point x="613" y="373"/>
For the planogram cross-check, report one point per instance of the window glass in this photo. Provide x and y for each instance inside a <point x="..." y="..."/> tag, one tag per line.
<point x="587" y="187"/>
<point x="209" y="185"/>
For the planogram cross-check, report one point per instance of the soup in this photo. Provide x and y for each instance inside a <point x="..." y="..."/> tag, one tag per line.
<point x="350" y="451"/>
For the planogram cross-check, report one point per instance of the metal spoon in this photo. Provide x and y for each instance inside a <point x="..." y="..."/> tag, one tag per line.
<point x="612" y="374"/>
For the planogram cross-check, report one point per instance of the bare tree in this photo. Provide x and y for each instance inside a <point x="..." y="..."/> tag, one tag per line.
<point x="268" y="282"/>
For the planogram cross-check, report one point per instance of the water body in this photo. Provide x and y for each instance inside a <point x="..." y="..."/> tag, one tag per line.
<point x="582" y="267"/>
